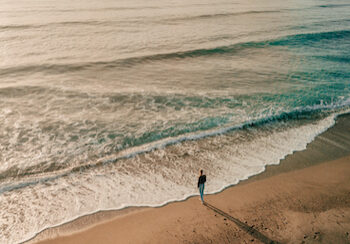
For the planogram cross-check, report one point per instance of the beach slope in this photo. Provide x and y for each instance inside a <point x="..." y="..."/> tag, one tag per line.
<point x="304" y="199"/>
<point x="307" y="205"/>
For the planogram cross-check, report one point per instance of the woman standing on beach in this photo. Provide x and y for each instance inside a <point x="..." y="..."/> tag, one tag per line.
<point x="201" y="180"/>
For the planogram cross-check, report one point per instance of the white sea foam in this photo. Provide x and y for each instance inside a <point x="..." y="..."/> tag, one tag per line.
<point x="155" y="178"/>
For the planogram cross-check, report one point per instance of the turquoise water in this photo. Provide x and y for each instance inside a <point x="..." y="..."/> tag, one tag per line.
<point x="108" y="104"/>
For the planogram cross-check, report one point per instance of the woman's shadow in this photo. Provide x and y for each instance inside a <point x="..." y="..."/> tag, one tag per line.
<point x="250" y="230"/>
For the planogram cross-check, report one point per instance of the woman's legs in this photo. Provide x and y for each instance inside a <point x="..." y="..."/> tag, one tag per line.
<point x="201" y="191"/>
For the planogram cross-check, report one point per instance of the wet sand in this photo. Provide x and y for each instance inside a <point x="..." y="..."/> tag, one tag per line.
<point x="305" y="199"/>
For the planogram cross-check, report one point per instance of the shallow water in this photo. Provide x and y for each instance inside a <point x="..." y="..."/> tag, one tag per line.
<point x="108" y="104"/>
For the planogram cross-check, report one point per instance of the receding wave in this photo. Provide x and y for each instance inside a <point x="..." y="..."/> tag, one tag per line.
<point x="218" y="15"/>
<point x="291" y="40"/>
<point x="113" y="22"/>
<point x="308" y="38"/>
<point x="334" y="5"/>
<point x="53" y="24"/>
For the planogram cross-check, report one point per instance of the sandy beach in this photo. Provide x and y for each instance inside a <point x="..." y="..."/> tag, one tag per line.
<point x="303" y="200"/>
<point x="109" y="110"/>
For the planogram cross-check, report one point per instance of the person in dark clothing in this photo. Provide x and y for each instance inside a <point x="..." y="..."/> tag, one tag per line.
<point x="201" y="180"/>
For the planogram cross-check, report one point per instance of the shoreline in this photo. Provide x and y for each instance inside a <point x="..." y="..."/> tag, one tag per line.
<point x="297" y="161"/>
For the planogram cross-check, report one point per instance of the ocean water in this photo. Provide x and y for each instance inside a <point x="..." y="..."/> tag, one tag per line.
<point x="108" y="104"/>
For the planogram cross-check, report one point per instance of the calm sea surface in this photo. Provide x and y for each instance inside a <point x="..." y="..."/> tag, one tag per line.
<point x="108" y="104"/>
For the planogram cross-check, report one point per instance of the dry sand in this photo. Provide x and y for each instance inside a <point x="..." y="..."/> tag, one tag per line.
<point x="305" y="199"/>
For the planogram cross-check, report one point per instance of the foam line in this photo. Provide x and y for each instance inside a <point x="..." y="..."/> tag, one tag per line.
<point x="306" y="112"/>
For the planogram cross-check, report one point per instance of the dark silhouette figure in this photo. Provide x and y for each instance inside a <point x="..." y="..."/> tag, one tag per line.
<point x="201" y="181"/>
<point x="249" y="229"/>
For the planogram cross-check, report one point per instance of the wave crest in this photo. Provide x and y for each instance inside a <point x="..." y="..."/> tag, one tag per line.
<point x="291" y="40"/>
